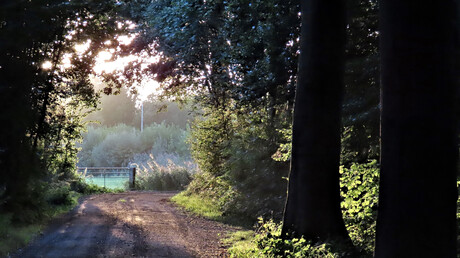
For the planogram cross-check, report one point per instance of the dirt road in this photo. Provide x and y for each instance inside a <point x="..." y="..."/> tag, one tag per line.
<point x="133" y="224"/>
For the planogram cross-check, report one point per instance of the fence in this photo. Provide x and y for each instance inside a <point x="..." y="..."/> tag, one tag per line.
<point x="110" y="177"/>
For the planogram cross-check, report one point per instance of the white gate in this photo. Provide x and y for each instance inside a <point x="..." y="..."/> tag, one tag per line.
<point x="110" y="177"/>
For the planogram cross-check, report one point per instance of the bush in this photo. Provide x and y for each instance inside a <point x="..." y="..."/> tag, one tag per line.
<point x="80" y="186"/>
<point x="360" y="189"/>
<point x="14" y="236"/>
<point x="218" y="190"/>
<point x="59" y="194"/>
<point x="234" y="152"/>
<point x="269" y="243"/>
<point x="117" y="149"/>
<point x="209" y="140"/>
<point x="29" y="206"/>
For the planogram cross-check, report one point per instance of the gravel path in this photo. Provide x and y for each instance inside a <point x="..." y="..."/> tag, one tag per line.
<point x="132" y="224"/>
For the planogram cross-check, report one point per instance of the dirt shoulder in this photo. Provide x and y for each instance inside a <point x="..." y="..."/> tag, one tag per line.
<point x="132" y="224"/>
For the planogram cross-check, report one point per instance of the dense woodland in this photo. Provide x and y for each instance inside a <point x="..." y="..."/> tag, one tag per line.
<point x="355" y="102"/>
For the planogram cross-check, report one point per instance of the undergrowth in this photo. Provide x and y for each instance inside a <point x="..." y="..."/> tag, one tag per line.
<point x="234" y="152"/>
<point x="18" y="228"/>
<point x="14" y="234"/>
<point x="266" y="241"/>
<point x="359" y="190"/>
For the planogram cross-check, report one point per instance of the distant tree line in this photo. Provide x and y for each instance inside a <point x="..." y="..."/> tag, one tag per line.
<point x="122" y="109"/>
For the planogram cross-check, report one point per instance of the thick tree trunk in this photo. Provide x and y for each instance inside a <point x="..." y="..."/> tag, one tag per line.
<point x="417" y="208"/>
<point x="313" y="204"/>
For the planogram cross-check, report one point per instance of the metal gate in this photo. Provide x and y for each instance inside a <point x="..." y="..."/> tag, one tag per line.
<point x="110" y="177"/>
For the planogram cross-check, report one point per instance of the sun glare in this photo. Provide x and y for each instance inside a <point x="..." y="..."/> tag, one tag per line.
<point x="81" y="48"/>
<point x="125" y="40"/>
<point x="145" y="89"/>
<point x="104" y="56"/>
<point x="66" y="62"/>
<point x="104" y="65"/>
<point x="47" y="65"/>
<point x="107" y="62"/>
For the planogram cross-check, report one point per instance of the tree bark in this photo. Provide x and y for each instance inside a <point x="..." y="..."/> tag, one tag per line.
<point x="313" y="204"/>
<point x="417" y="206"/>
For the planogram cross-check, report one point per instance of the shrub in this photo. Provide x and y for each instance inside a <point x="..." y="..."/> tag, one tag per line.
<point x="269" y="243"/>
<point x="80" y="186"/>
<point x="13" y="235"/>
<point x="59" y="194"/>
<point x="216" y="189"/>
<point x="209" y="140"/>
<point x="359" y="189"/>
<point x="234" y="152"/>
<point x="116" y="149"/>
<point x="29" y="207"/>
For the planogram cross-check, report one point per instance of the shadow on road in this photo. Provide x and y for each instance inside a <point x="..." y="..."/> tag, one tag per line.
<point x="92" y="229"/>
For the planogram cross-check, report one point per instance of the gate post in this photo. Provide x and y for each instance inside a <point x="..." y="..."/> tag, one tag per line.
<point x="132" y="177"/>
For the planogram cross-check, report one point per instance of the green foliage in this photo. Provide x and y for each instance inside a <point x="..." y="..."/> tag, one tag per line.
<point x="267" y="242"/>
<point x="30" y="205"/>
<point x="116" y="149"/>
<point x="13" y="236"/>
<point x="240" y="61"/>
<point x="284" y="151"/>
<point x="234" y="154"/>
<point x="242" y="244"/>
<point x="207" y="186"/>
<point x="359" y="189"/>
<point x="160" y="152"/>
<point x="209" y="139"/>
<point x="80" y="186"/>
<point x="42" y="97"/>
<point x="59" y="194"/>
<point x="17" y="229"/>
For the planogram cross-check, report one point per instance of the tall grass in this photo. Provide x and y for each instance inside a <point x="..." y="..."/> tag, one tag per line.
<point x="168" y="172"/>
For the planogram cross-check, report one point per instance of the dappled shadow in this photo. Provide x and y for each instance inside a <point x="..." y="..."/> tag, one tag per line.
<point x="89" y="231"/>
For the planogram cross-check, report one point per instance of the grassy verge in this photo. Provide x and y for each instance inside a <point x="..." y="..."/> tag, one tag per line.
<point x="14" y="236"/>
<point x="242" y="243"/>
<point x="205" y="207"/>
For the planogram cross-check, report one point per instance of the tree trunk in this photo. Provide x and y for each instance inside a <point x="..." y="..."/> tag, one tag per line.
<point x="313" y="205"/>
<point x="417" y="207"/>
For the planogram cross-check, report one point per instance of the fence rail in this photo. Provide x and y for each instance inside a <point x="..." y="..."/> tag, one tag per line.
<point x="109" y="172"/>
